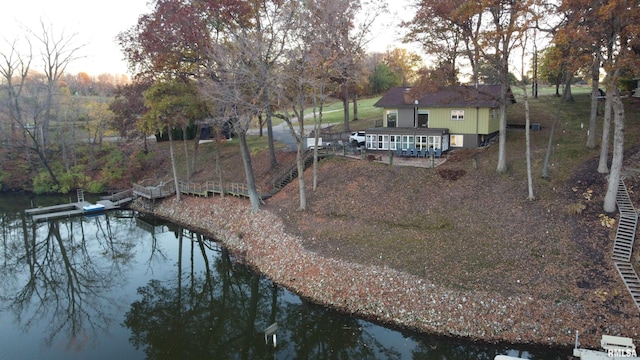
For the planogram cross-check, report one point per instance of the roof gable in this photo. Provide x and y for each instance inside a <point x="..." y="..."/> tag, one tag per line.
<point x="453" y="96"/>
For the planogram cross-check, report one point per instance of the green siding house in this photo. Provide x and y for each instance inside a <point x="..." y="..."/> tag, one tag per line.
<point x="449" y="118"/>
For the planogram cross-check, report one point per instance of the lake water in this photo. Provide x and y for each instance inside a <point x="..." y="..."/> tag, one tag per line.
<point x="120" y="286"/>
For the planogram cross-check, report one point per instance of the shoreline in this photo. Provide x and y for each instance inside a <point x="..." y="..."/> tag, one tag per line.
<point x="378" y="293"/>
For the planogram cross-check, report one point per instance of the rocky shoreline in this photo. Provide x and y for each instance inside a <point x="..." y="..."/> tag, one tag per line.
<point x="380" y="293"/>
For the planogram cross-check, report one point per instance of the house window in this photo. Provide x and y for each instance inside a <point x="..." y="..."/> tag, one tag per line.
<point x="392" y="118"/>
<point x="435" y="142"/>
<point x="423" y="118"/>
<point x="394" y="142"/>
<point x="421" y="142"/>
<point x="457" y="140"/>
<point x="371" y="141"/>
<point x="377" y="142"/>
<point x="407" y="142"/>
<point x="457" y="114"/>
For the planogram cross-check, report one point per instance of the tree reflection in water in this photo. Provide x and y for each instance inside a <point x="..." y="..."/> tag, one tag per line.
<point x="72" y="284"/>
<point x="58" y="277"/>
<point x="223" y="312"/>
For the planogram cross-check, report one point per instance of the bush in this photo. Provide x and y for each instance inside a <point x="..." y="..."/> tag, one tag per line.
<point x="114" y="166"/>
<point x="95" y="187"/>
<point x="576" y="208"/>
<point x="42" y="183"/>
<point x="68" y="180"/>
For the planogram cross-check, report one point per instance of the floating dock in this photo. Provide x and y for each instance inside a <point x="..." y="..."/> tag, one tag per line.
<point x="80" y="207"/>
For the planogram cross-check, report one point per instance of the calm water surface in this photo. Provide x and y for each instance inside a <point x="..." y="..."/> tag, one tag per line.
<point x="119" y="286"/>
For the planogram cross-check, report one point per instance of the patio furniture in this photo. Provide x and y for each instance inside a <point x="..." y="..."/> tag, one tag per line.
<point x="438" y="152"/>
<point x="399" y="152"/>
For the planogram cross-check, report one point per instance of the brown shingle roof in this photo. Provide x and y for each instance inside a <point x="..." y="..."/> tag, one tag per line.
<point x="455" y="96"/>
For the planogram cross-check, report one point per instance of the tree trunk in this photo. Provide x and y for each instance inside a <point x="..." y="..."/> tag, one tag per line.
<point x="603" y="167"/>
<point x="196" y="146"/>
<point x="316" y="130"/>
<point x="547" y="156"/>
<point x="502" y="136"/>
<point x="301" y="183"/>
<point x="248" y="170"/>
<point x="272" y="147"/>
<point x="568" y="96"/>
<point x="355" y="107"/>
<point x="528" y="143"/>
<point x="618" y="151"/>
<point x="502" y="139"/>
<point x="218" y="134"/>
<point x="45" y="163"/>
<point x="595" y="83"/>
<point x="558" y="82"/>
<point x="345" y="104"/>
<point x="186" y="151"/>
<point x="173" y="165"/>
<point x="302" y="192"/>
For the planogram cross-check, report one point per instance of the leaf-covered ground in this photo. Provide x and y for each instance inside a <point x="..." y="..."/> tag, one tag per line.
<point x="478" y="232"/>
<point x="461" y="227"/>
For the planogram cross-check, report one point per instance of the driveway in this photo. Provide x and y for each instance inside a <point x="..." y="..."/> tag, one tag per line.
<point x="282" y="133"/>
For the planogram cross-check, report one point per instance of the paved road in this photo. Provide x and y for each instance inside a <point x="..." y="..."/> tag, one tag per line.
<point x="282" y="133"/>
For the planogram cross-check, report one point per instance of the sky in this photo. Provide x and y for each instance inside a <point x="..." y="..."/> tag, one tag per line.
<point x="96" y="24"/>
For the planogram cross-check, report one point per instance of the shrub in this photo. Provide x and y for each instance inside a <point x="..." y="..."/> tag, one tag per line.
<point x="576" y="208"/>
<point x="95" y="187"/>
<point x="114" y="166"/>
<point x="606" y="221"/>
<point x="42" y="183"/>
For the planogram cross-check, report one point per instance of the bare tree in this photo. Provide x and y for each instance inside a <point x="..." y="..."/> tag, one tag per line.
<point x="57" y="52"/>
<point x="618" y="147"/>
<point x="344" y="27"/>
<point x="295" y="94"/>
<point x="623" y="33"/>
<point x="24" y="118"/>
<point x="232" y="85"/>
<point x="527" y="126"/>
<point x="508" y="21"/>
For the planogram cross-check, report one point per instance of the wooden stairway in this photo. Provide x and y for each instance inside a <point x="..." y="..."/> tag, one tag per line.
<point x="623" y="244"/>
<point x="289" y="173"/>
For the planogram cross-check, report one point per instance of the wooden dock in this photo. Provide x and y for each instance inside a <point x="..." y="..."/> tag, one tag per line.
<point x="46" y="213"/>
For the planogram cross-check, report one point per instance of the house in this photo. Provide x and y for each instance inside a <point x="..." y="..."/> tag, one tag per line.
<point x="452" y="117"/>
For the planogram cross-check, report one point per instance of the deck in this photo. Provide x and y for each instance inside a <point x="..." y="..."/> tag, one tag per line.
<point x="152" y="192"/>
